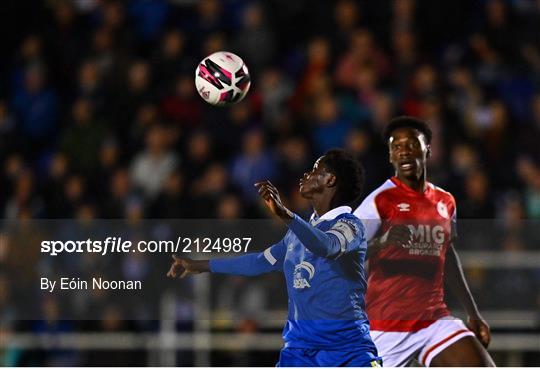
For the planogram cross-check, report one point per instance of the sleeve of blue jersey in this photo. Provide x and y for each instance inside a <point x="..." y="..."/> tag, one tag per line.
<point x="345" y="235"/>
<point x="253" y="264"/>
<point x="361" y="232"/>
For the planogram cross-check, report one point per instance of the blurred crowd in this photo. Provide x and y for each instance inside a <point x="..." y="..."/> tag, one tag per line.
<point x="100" y="119"/>
<point x="99" y="116"/>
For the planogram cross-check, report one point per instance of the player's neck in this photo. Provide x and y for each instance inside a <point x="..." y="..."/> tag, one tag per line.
<point x="321" y="205"/>
<point x="417" y="185"/>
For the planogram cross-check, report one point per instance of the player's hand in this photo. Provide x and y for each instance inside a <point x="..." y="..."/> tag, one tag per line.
<point x="480" y="328"/>
<point x="182" y="267"/>
<point x="271" y="198"/>
<point x="398" y="235"/>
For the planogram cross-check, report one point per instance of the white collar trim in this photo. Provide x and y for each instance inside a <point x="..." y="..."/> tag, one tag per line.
<point x="331" y="214"/>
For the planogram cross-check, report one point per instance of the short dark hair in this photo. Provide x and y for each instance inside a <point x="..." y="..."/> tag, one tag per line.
<point x="407" y="122"/>
<point x="349" y="174"/>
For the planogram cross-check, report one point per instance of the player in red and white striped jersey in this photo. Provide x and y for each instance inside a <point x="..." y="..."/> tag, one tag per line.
<point x="410" y="227"/>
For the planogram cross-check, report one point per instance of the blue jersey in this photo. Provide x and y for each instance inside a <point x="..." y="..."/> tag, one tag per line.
<point x="323" y="264"/>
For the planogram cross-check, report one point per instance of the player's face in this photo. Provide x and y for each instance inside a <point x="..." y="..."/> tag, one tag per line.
<point x="314" y="181"/>
<point x="408" y="152"/>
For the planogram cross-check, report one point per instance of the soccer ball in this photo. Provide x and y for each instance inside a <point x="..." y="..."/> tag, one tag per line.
<point x="222" y="79"/>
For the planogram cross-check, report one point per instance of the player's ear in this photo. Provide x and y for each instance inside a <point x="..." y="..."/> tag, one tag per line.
<point x="428" y="149"/>
<point x="331" y="181"/>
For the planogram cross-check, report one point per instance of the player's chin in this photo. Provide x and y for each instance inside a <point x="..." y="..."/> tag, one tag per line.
<point x="409" y="173"/>
<point x="304" y="192"/>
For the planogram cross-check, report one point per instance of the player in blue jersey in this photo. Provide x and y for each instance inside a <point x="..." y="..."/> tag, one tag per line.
<point x="323" y="264"/>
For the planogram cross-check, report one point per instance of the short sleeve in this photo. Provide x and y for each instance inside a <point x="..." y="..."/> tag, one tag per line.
<point x="369" y="216"/>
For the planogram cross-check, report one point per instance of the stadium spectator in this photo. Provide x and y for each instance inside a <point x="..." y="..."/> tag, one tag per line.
<point x="255" y="41"/>
<point x="330" y="128"/>
<point x="36" y="107"/>
<point x="254" y="162"/>
<point x="83" y="138"/>
<point x="152" y="167"/>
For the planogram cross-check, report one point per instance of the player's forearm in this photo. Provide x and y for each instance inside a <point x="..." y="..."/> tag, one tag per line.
<point x="455" y="280"/>
<point x="202" y="266"/>
<point x="315" y="240"/>
<point x="245" y="265"/>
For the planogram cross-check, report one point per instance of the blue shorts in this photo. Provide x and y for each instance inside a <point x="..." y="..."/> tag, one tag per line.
<point x="292" y="357"/>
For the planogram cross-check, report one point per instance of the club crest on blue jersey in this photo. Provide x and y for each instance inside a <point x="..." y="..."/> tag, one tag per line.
<point x="303" y="273"/>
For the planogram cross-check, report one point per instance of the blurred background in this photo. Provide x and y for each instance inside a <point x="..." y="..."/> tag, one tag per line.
<point x="99" y="119"/>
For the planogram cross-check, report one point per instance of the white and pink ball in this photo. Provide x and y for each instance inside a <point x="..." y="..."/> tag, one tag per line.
<point x="222" y="79"/>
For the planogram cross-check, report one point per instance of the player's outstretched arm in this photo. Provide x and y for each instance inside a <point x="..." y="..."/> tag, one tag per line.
<point x="182" y="267"/>
<point x="325" y="244"/>
<point x="245" y="265"/>
<point x="455" y="279"/>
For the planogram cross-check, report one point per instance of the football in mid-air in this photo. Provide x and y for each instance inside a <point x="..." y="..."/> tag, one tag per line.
<point x="222" y="79"/>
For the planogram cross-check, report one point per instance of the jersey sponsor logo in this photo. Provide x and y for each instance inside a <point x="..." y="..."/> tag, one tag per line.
<point x="442" y="210"/>
<point x="303" y="273"/>
<point x="427" y="240"/>
<point x="404" y="207"/>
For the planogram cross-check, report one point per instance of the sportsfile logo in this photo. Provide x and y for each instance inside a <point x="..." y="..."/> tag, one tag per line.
<point x="303" y="273"/>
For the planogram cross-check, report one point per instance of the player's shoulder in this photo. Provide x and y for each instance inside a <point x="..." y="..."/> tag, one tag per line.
<point x="351" y="221"/>
<point x="374" y="202"/>
<point x="384" y="188"/>
<point x="442" y="193"/>
<point x="347" y="217"/>
<point x="379" y="193"/>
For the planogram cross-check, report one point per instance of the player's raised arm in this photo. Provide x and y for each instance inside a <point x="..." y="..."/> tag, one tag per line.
<point x="343" y="237"/>
<point x="270" y="195"/>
